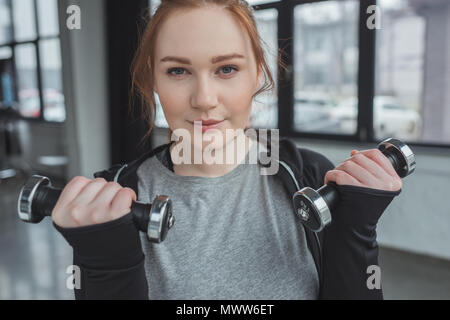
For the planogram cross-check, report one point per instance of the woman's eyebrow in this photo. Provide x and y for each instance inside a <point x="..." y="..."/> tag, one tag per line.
<point x="213" y="60"/>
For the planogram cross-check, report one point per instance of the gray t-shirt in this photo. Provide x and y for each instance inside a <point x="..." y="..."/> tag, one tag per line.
<point x="235" y="237"/>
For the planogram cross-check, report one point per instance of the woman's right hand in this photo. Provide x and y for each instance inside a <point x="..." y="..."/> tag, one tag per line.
<point x="85" y="202"/>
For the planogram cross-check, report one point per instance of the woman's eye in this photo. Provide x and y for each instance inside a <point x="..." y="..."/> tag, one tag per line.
<point x="227" y="70"/>
<point x="175" y="69"/>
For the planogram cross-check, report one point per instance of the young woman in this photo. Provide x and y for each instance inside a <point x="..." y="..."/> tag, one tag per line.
<point x="236" y="235"/>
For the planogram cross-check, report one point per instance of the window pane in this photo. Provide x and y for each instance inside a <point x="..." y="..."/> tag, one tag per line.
<point x="326" y="67"/>
<point x="48" y="17"/>
<point x="5" y="53"/>
<point x="154" y="5"/>
<point x="54" y="108"/>
<point x="5" y="22"/>
<point x="160" y="120"/>
<point x="29" y="104"/>
<point x="6" y="78"/>
<point x="412" y="77"/>
<point x="265" y="105"/>
<point x="24" y="21"/>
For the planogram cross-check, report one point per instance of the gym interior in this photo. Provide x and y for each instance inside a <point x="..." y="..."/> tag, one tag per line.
<point x="358" y="72"/>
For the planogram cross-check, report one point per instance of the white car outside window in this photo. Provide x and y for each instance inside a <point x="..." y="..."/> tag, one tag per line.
<point x="391" y="119"/>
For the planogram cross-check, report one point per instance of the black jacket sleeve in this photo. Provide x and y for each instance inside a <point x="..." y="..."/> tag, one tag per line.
<point x="349" y="243"/>
<point x="110" y="259"/>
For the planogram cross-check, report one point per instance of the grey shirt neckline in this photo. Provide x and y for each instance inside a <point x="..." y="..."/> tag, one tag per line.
<point x="236" y="172"/>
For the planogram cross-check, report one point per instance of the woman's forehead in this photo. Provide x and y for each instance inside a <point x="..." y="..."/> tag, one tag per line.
<point x="203" y="32"/>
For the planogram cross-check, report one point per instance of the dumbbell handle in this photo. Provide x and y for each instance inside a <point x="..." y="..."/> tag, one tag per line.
<point x="46" y="197"/>
<point x="38" y="198"/>
<point x="330" y="194"/>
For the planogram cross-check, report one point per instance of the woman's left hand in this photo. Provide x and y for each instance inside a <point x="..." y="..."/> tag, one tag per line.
<point x="369" y="169"/>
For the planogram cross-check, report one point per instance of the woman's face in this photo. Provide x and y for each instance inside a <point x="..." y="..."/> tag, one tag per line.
<point x="205" y="69"/>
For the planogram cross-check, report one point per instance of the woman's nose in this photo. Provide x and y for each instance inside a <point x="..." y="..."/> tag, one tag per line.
<point x="204" y="96"/>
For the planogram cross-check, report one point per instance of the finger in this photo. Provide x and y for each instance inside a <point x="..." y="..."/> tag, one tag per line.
<point x="373" y="167"/>
<point x="358" y="172"/>
<point x="106" y="195"/>
<point x="89" y="193"/>
<point x="377" y="156"/>
<point x="71" y="191"/>
<point x="352" y="153"/>
<point x="341" y="178"/>
<point x="134" y="194"/>
<point x="78" y="215"/>
<point x="62" y="220"/>
<point x="121" y="204"/>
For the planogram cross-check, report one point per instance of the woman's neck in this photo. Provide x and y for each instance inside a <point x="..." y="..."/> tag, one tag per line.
<point x="213" y="170"/>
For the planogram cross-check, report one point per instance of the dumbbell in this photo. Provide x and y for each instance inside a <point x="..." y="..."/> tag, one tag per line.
<point x="313" y="207"/>
<point x="37" y="199"/>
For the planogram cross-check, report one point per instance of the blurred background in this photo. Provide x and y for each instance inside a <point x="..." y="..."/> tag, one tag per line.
<point x="64" y="94"/>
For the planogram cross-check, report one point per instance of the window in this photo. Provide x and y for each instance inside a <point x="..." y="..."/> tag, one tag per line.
<point x="265" y="105"/>
<point x="30" y="59"/>
<point x="6" y="82"/>
<point x="160" y="119"/>
<point x="154" y="5"/>
<point x="325" y="66"/>
<point x="412" y="100"/>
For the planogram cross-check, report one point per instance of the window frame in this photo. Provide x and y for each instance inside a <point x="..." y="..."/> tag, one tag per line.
<point x="35" y="42"/>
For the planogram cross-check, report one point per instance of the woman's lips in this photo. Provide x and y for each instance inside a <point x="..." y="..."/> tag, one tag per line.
<point x="205" y="127"/>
